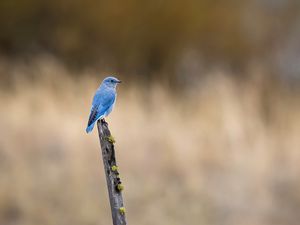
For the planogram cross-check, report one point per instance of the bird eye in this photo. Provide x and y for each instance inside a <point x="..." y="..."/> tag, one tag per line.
<point x="111" y="80"/>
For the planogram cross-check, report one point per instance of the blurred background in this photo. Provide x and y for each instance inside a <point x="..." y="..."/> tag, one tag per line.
<point x="207" y="120"/>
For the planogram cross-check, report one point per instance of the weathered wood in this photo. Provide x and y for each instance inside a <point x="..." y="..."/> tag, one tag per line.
<point x="112" y="175"/>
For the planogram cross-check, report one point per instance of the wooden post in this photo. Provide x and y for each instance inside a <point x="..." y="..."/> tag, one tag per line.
<point x="114" y="185"/>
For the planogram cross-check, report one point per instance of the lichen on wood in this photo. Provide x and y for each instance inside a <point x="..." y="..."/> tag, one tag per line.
<point x="112" y="174"/>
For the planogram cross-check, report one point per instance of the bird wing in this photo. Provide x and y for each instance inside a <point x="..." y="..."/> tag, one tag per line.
<point x="102" y="100"/>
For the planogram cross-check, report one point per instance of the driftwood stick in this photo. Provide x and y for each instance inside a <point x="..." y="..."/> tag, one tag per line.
<point x="114" y="185"/>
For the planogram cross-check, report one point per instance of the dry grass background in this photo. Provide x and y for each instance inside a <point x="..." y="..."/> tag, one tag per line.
<point x="224" y="153"/>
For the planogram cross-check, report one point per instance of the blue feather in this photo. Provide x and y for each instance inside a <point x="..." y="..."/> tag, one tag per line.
<point x="103" y="101"/>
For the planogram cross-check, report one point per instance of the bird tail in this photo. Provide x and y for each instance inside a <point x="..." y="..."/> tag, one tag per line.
<point x="90" y="128"/>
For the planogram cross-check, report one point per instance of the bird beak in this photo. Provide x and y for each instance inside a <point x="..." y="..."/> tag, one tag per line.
<point x="119" y="81"/>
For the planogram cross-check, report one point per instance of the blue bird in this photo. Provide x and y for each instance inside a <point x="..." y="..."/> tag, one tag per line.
<point x="103" y="101"/>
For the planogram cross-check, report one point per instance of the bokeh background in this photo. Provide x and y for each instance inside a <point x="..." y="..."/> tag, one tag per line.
<point x="207" y="120"/>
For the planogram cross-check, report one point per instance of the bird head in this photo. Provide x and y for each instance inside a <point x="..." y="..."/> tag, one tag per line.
<point x="111" y="82"/>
